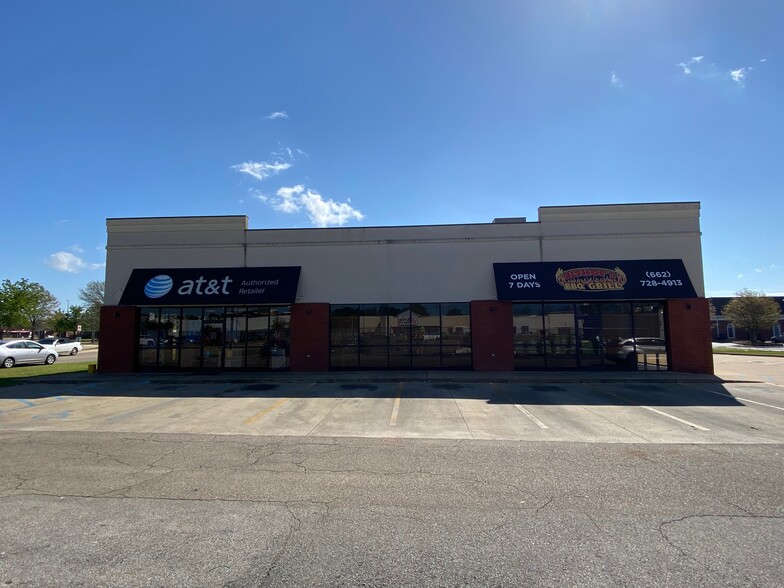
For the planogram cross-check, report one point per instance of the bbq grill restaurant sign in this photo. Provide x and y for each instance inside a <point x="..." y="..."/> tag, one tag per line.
<point x="586" y="280"/>
<point x="212" y="286"/>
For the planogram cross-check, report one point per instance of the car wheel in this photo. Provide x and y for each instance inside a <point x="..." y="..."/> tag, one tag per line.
<point x="8" y="362"/>
<point x="150" y="343"/>
<point x="74" y="351"/>
<point x="50" y="359"/>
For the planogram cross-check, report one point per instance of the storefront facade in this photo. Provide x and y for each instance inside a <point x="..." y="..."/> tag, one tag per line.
<point x="584" y="287"/>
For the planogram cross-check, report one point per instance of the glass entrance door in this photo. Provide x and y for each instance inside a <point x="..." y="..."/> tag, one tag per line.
<point x="212" y="352"/>
<point x="589" y="331"/>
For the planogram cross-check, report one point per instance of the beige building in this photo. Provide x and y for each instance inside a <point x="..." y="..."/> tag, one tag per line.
<point x="573" y="286"/>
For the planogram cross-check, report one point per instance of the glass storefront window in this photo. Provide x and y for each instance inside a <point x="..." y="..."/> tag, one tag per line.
<point x="529" y="336"/>
<point x="559" y="336"/>
<point x="589" y="330"/>
<point x="344" y="336"/>
<point x="401" y="336"/>
<point x="235" y="338"/>
<point x="169" y="342"/>
<point x="279" y="343"/>
<point x="149" y="325"/>
<point x="215" y="337"/>
<point x="256" y="337"/>
<point x="650" y="342"/>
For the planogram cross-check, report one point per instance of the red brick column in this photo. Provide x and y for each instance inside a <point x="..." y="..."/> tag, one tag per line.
<point x="119" y="337"/>
<point x="688" y="329"/>
<point x="492" y="340"/>
<point x="309" y="338"/>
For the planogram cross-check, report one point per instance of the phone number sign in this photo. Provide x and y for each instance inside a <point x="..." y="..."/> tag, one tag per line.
<point x="586" y="280"/>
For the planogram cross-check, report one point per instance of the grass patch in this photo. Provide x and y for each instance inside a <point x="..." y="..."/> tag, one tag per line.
<point x="11" y="377"/>
<point x="760" y="352"/>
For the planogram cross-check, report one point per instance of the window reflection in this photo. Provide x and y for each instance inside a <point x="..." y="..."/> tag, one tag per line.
<point x="215" y="337"/>
<point x="401" y="336"/>
<point x="585" y="335"/>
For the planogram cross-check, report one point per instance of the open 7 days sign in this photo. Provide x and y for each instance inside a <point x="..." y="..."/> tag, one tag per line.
<point x="593" y="280"/>
<point x="212" y="286"/>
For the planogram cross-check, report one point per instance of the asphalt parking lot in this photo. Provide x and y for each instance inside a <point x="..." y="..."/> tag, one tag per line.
<point x="395" y="479"/>
<point x="602" y="408"/>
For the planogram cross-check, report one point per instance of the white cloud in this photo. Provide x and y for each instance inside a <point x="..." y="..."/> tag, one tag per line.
<point x="686" y="65"/>
<point x="322" y="212"/>
<point x="288" y="199"/>
<point x="261" y="170"/>
<point x="63" y="261"/>
<point x="740" y="276"/>
<point x="615" y="81"/>
<point x="758" y="270"/>
<point x="276" y="115"/>
<point x="77" y="249"/>
<point x="739" y="74"/>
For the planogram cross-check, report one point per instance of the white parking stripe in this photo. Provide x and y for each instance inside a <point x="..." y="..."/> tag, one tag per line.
<point x="520" y="408"/>
<point x="685" y="422"/>
<point x="530" y="416"/>
<point x="737" y="397"/>
<point x="669" y="416"/>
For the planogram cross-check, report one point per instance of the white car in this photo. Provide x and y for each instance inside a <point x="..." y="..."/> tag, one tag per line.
<point x="25" y="351"/>
<point x="62" y="345"/>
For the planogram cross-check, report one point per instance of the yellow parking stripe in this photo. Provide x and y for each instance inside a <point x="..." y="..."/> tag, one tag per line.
<point x="396" y="407"/>
<point x="278" y="404"/>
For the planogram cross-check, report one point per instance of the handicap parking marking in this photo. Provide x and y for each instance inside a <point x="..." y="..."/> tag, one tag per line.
<point x="63" y="414"/>
<point x="145" y="409"/>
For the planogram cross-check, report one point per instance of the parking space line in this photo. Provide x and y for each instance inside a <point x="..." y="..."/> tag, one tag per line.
<point x="145" y="409"/>
<point x="267" y="410"/>
<point x="279" y="403"/>
<point x="669" y="416"/>
<point x="396" y="407"/>
<point x="735" y="397"/>
<point x="519" y="407"/>
<point x="660" y="412"/>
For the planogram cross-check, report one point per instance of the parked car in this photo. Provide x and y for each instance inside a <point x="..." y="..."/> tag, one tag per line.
<point x="146" y="341"/>
<point x="777" y="338"/>
<point x="624" y="349"/>
<point x="62" y="345"/>
<point x="21" y="352"/>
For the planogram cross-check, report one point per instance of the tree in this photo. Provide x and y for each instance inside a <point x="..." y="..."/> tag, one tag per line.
<point x="25" y="303"/>
<point x="38" y="305"/>
<point x="64" y="322"/>
<point x="9" y="306"/>
<point x="92" y="295"/>
<point x="753" y="311"/>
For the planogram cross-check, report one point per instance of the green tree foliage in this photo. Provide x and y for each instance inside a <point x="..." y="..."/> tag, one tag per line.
<point x="64" y="322"/>
<point x="92" y="295"/>
<point x="25" y="304"/>
<point x="753" y="311"/>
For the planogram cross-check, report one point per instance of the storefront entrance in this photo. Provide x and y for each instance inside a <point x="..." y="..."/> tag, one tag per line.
<point x="590" y="335"/>
<point x="210" y="338"/>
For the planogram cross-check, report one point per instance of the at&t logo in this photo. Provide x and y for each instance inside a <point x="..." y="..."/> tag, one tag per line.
<point x="158" y="286"/>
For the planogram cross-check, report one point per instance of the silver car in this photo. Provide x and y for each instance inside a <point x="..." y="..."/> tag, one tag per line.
<point x="62" y="345"/>
<point x="23" y="351"/>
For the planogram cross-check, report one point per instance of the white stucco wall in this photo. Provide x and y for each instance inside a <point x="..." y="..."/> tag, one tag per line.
<point x="437" y="263"/>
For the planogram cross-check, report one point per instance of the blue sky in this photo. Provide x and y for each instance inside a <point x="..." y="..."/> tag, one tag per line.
<point x="317" y="113"/>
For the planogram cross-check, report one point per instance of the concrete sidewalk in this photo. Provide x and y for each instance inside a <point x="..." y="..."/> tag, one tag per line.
<point x="521" y="377"/>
